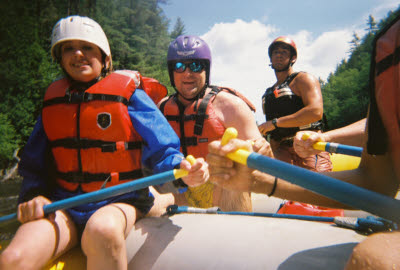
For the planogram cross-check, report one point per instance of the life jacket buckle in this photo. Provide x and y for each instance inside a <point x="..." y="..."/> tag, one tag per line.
<point x="108" y="148"/>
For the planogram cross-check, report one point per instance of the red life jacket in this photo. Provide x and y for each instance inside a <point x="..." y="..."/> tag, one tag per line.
<point x="384" y="121"/>
<point x="91" y="135"/>
<point x="153" y="88"/>
<point x="197" y="124"/>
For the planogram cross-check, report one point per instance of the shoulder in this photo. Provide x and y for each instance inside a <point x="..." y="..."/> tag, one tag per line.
<point x="227" y="99"/>
<point x="305" y="77"/>
<point x="304" y="83"/>
<point x="231" y="105"/>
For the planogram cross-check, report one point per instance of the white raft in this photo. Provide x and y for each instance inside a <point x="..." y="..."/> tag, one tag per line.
<point x="201" y="241"/>
<point x="209" y="241"/>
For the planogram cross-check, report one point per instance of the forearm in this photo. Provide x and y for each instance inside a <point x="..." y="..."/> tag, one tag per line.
<point x="300" y="118"/>
<point x="382" y="181"/>
<point x="351" y="135"/>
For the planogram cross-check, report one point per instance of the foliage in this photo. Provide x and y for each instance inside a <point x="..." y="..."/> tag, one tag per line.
<point x="138" y="34"/>
<point x="137" y="31"/>
<point x="7" y="142"/>
<point x="346" y="92"/>
<point x="179" y="29"/>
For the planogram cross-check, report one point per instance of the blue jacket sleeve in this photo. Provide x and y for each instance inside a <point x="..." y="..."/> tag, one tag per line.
<point x="33" y="166"/>
<point x="161" y="147"/>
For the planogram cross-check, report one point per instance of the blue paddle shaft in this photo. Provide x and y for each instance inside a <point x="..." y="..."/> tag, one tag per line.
<point x="343" y="149"/>
<point x="332" y="188"/>
<point x="102" y="194"/>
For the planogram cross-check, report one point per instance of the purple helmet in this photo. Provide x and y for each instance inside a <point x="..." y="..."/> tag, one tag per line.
<point x="188" y="48"/>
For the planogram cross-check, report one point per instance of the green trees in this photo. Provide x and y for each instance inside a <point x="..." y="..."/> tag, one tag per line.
<point x="138" y="34"/>
<point x="346" y="92"/>
<point x="137" y="31"/>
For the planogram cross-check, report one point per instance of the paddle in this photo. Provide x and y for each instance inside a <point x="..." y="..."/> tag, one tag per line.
<point x="105" y="193"/>
<point x="332" y="188"/>
<point x="369" y="224"/>
<point x="336" y="147"/>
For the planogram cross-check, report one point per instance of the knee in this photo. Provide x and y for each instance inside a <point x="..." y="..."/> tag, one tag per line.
<point x="376" y="252"/>
<point x="103" y="233"/>
<point x="11" y="259"/>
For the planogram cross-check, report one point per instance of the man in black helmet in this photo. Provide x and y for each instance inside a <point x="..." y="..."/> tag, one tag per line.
<point x="293" y="103"/>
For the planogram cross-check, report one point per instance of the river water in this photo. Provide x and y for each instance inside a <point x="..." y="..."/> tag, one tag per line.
<point x="8" y="202"/>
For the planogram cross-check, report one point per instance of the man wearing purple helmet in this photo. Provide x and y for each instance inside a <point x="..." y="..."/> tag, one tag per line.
<point x="199" y="113"/>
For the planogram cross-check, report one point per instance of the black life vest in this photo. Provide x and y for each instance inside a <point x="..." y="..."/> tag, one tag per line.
<point x="281" y="101"/>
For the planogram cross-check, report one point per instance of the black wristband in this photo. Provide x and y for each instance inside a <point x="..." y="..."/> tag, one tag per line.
<point x="178" y="183"/>
<point x="273" y="187"/>
<point x="274" y="122"/>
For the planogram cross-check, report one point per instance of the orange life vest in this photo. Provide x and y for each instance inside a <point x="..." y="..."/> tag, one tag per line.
<point x="197" y="124"/>
<point x="91" y="135"/>
<point x="384" y="133"/>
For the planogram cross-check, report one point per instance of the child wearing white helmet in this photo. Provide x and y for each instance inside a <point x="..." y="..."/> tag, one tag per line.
<point x="97" y="129"/>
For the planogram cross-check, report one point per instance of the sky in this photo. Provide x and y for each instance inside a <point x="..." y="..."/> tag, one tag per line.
<point x="239" y="32"/>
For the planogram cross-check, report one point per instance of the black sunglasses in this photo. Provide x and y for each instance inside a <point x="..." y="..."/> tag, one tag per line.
<point x="195" y="66"/>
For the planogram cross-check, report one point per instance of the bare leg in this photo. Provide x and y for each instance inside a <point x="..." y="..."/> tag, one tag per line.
<point x="161" y="202"/>
<point x="39" y="241"/>
<point x="103" y="240"/>
<point x="378" y="252"/>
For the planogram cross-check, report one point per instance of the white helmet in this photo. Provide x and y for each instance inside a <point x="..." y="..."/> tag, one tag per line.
<point x="78" y="28"/>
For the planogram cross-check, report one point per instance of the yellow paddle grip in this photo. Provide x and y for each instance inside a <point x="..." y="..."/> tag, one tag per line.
<point x="318" y="145"/>
<point x="178" y="173"/>
<point x="239" y="155"/>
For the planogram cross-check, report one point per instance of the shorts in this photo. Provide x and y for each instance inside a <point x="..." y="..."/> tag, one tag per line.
<point x="317" y="163"/>
<point x="141" y="199"/>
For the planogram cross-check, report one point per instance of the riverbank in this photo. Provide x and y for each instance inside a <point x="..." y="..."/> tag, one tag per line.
<point x="9" y="190"/>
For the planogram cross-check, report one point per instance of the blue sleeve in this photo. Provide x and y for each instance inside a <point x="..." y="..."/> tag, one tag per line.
<point x="161" y="148"/>
<point x="33" y="166"/>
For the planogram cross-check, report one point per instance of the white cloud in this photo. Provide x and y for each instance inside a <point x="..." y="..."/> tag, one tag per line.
<point x="240" y="59"/>
<point x="382" y="9"/>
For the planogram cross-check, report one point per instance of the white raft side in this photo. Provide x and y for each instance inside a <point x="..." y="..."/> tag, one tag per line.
<point x="198" y="241"/>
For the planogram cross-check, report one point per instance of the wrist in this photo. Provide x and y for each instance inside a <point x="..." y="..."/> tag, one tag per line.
<point x="326" y="137"/>
<point x="260" y="184"/>
<point x="275" y="122"/>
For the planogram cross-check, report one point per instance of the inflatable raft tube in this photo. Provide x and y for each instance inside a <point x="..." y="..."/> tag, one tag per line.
<point x="201" y="241"/>
<point x="344" y="162"/>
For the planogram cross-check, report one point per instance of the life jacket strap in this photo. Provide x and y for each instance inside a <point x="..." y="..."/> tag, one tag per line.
<point x="75" y="143"/>
<point x="76" y="98"/>
<point x="390" y="60"/>
<point x="85" y="177"/>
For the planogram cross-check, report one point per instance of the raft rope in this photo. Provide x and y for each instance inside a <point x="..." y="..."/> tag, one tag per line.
<point x="365" y="225"/>
<point x="343" y="192"/>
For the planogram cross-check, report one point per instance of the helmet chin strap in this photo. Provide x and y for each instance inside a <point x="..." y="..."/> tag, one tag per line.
<point x="200" y="94"/>
<point x="82" y="86"/>
<point x="283" y="69"/>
